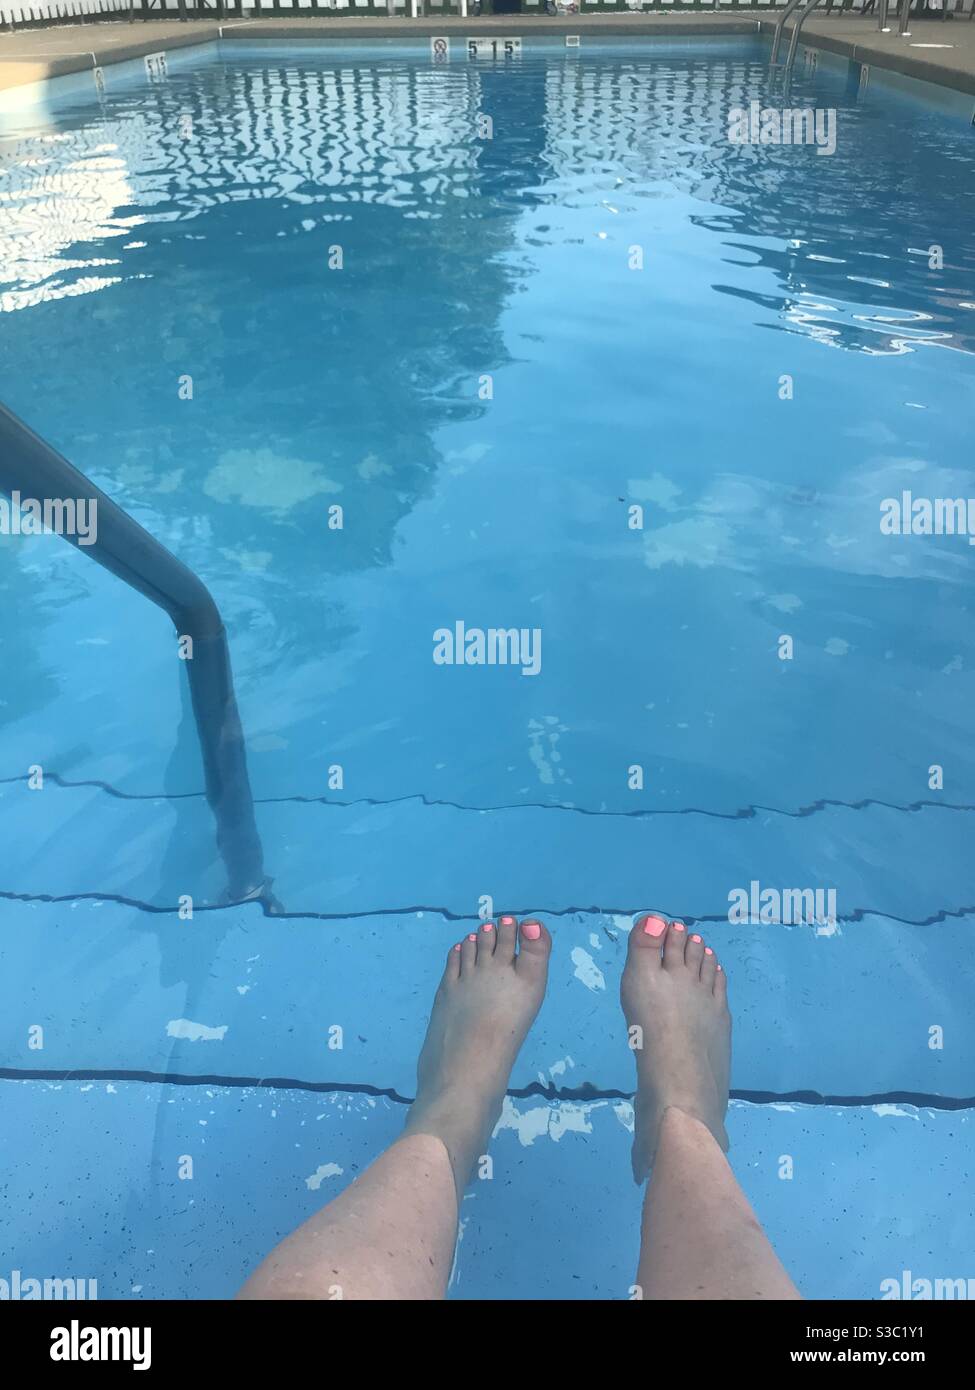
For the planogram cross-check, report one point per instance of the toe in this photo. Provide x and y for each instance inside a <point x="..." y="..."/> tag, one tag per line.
<point x="709" y="968"/>
<point x="487" y="940"/>
<point x="648" y="933"/>
<point x="504" y="951"/>
<point x="694" y="953"/>
<point x="674" y="943"/>
<point x="451" y="970"/>
<point x="721" y="985"/>
<point x="468" y="954"/>
<point x="534" y="948"/>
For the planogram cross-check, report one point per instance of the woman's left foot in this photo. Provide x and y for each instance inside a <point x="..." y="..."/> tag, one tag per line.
<point x="491" y="990"/>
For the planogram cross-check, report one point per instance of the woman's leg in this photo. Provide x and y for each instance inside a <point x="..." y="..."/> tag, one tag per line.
<point x="391" y="1234"/>
<point x="699" y="1236"/>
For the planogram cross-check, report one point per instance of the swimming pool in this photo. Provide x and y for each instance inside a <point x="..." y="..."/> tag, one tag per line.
<point x="591" y="371"/>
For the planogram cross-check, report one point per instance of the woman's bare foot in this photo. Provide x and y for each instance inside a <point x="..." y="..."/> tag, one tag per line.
<point x="487" y="1000"/>
<point x="675" y="998"/>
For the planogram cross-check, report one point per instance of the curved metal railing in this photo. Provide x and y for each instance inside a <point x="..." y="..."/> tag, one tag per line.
<point x="790" y="9"/>
<point x="797" y="29"/>
<point x="32" y="468"/>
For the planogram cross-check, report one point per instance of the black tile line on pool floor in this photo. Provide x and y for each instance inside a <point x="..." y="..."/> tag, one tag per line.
<point x="744" y="813"/>
<point x="587" y="1094"/>
<point x="278" y="913"/>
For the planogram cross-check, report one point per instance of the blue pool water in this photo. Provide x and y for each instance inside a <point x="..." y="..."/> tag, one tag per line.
<point x="487" y="388"/>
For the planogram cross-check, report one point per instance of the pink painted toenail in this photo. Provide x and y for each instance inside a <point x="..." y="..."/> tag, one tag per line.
<point x="488" y="926"/>
<point x="708" y="951"/>
<point x="654" y="926"/>
<point x="473" y="936"/>
<point x="531" y="931"/>
<point x="457" y="947"/>
<point x="507" y="921"/>
<point x="719" y="967"/>
<point x="677" y="926"/>
<point x="695" y="938"/>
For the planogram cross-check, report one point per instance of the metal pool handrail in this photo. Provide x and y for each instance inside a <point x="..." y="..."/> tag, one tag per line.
<point x="31" y="467"/>
<point x="794" y="42"/>
<point x="790" y="8"/>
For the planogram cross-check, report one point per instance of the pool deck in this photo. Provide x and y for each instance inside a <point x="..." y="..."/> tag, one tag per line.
<point x="35" y="54"/>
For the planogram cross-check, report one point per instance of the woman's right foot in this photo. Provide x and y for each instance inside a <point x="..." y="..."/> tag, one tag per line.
<point x="491" y="990"/>
<point x="675" y="994"/>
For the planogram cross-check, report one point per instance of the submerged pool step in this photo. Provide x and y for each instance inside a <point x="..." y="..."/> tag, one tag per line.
<point x="230" y="1172"/>
<point x="79" y="839"/>
<point x="347" y="861"/>
<point x="874" y="1009"/>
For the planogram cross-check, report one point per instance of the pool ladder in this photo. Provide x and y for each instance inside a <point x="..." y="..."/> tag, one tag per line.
<point x="807" y="8"/>
<point x="790" y="9"/>
<point x="32" y="468"/>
